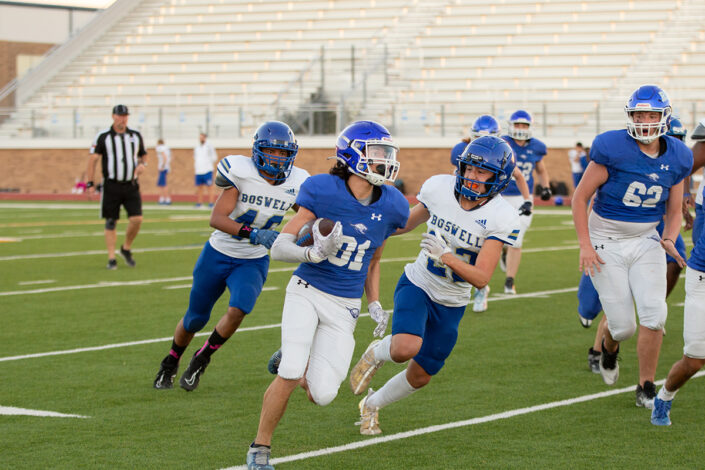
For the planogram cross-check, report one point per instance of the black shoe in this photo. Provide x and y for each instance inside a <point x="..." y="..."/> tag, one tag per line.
<point x="645" y="395"/>
<point x="192" y="375"/>
<point x="274" y="361"/>
<point x="112" y="264"/>
<point x="127" y="254"/>
<point x="594" y="360"/>
<point x="509" y="286"/>
<point x="166" y="374"/>
<point x="609" y="369"/>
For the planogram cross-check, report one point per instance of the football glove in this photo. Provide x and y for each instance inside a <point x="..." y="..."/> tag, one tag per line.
<point x="525" y="209"/>
<point x="545" y="193"/>
<point x="260" y="236"/>
<point x="378" y="314"/>
<point x="323" y="247"/>
<point x="434" y="246"/>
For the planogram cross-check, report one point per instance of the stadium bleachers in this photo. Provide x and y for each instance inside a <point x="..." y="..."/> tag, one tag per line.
<point x="424" y="67"/>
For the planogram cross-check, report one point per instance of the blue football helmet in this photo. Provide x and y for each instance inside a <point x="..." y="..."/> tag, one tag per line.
<point x="367" y="149"/>
<point x="489" y="153"/>
<point x="274" y="135"/>
<point x="456" y="152"/>
<point x="676" y="129"/>
<point x="648" y="98"/>
<point x="485" y="125"/>
<point x="520" y="117"/>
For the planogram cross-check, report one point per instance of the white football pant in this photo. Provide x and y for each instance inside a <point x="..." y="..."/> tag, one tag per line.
<point x="317" y="332"/>
<point x="694" y="314"/>
<point x="634" y="272"/>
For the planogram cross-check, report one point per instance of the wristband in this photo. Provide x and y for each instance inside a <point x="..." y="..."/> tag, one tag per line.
<point x="664" y="239"/>
<point x="244" y="231"/>
<point x="89" y="184"/>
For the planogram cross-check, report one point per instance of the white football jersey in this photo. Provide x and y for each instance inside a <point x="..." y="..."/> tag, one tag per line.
<point x="464" y="231"/>
<point x="259" y="204"/>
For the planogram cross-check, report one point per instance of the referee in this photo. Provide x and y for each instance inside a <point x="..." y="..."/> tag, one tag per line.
<point x="123" y="159"/>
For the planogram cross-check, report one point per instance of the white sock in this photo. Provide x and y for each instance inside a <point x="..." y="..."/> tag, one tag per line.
<point x="395" y="389"/>
<point x="161" y="199"/>
<point x="383" y="349"/>
<point x="665" y="395"/>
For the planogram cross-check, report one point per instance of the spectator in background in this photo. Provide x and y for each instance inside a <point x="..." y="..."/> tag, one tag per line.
<point x="164" y="159"/>
<point x="123" y="159"/>
<point x="204" y="160"/>
<point x="578" y="162"/>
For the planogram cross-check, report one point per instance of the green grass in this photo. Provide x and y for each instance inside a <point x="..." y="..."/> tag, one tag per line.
<point x="522" y="352"/>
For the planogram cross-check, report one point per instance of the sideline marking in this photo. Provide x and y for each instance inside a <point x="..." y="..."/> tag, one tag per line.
<point x="12" y="411"/>
<point x="451" y="425"/>
<point x="32" y="283"/>
<point x="251" y="328"/>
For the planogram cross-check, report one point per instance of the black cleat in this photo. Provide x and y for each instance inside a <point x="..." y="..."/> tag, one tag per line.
<point x="112" y="264"/>
<point x="167" y="373"/>
<point x="646" y="395"/>
<point x="127" y="254"/>
<point x="274" y="361"/>
<point x="192" y="375"/>
<point x="594" y="360"/>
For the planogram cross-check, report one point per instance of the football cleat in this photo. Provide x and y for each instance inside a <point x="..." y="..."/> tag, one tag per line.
<point x="127" y="255"/>
<point x="480" y="302"/>
<point x="509" y="286"/>
<point x="364" y="370"/>
<point x="192" y="375"/>
<point x="112" y="264"/>
<point x="258" y="458"/>
<point x="585" y="321"/>
<point x="609" y="369"/>
<point x="166" y="374"/>
<point x="369" y="417"/>
<point x="594" y="360"/>
<point x="645" y="395"/>
<point x="661" y="414"/>
<point x="274" y="361"/>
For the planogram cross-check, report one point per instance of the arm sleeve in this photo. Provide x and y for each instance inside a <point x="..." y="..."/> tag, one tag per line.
<point x="286" y="249"/>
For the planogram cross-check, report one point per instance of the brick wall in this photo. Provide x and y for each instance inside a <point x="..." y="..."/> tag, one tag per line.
<point x="8" y="61"/>
<point x="52" y="171"/>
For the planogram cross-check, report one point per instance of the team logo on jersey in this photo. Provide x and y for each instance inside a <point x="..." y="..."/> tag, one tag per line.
<point x="653" y="177"/>
<point x="664" y="167"/>
<point x="377" y="217"/>
<point x="361" y="228"/>
<point x="291" y="191"/>
<point x="354" y="312"/>
<point x="481" y="222"/>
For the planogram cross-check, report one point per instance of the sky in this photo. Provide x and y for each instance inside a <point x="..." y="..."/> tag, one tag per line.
<point x="73" y="3"/>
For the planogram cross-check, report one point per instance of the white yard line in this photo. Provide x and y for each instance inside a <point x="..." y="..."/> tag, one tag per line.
<point x="241" y="330"/>
<point x="452" y="425"/>
<point x="11" y="410"/>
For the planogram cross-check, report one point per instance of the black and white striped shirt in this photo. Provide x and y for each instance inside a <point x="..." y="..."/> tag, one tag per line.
<point x="119" y="152"/>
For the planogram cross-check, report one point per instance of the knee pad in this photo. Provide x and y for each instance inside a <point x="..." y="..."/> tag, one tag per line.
<point x="110" y="224"/>
<point x="322" y="394"/>
<point x="623" y="331"/>
<point x="194" y="322"/>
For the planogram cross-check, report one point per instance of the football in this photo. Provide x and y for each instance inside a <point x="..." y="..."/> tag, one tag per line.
<point x="305" y="236"/>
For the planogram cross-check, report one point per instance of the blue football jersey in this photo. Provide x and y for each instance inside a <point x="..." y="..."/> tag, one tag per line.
<point x="638" y="186"/>
<point x="365" y="228"/>
<point x="527" y="157"/>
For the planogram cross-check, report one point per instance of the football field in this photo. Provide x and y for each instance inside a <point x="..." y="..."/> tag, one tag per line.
<point x="80" y="346"/>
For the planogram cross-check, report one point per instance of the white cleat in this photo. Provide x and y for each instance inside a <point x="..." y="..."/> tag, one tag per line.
<point x="369" y="417"/>
<point x="480" y="302"/>
<point x="364" y="370"/>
